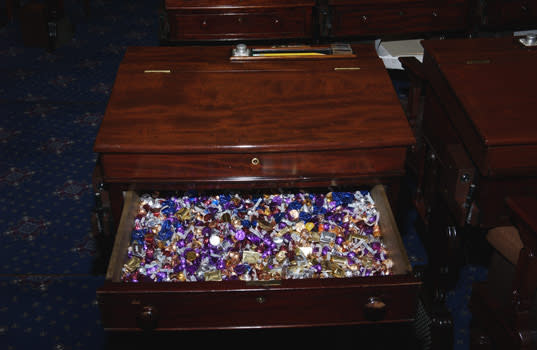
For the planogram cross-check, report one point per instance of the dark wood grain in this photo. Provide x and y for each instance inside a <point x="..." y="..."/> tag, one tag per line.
<point x="336" y="302"/>
<point x="236" y="107"/>
<point x="477" y="146"/>
<point x="239" y="168"/>
<point x="201" y="125"/>
<point x="484" y="90"/>
<point x="374" y="18"/>
<point x="209" y="117"/>
<point x="233" y="20"/>
<point x="502" y="14"/>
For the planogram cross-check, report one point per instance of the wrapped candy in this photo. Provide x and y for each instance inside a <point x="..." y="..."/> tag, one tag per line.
<point x="273" y="236"/>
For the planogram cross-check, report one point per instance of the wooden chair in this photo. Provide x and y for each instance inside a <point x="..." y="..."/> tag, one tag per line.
<point x="504" y="308"/>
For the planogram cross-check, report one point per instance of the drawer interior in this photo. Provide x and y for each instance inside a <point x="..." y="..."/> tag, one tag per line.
<point x="388" y="229"/>
<point x="239" y="304"/>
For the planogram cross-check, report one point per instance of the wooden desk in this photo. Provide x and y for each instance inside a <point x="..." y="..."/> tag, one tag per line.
<point x="479" y="143"/>
<point x="189" y="118"/>
<point x="311" y="21"/>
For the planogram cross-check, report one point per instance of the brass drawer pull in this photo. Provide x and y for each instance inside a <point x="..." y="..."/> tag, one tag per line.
<point x="276" y="21"/>
<point x="204" y="23"/>
<point x="255" y="161"/>
<point x="374" y="309"/>
<point x="148" y="317"/>
<point x="260" y="300"/>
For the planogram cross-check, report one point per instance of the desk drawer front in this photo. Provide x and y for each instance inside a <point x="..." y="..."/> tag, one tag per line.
<point x="273" y="23"/>
<point x="256" y="308"/>
<point x="249" y="167"/>
<point x="510" y="13"/>
<point x="350" y="20"/>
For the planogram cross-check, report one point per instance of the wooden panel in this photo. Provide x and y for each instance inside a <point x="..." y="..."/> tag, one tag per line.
<point x="371" y="20"/>
<point x="513" y="14"/>
<point x="290" y="166"/>
<point x="494" y="122"/>
<point x="329" y="304"/>
<point x="233" y="4"/>
<point x="241" y="23"/>
<point x="237" y="108"/>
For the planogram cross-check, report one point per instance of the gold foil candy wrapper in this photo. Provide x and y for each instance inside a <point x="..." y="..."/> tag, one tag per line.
<point x="183" y="214"/>
<point x="133" y="264"/>
<point x="300" y="226"/>
<point x="293" y="271"/>
<point x="339" y="260"/>
<point x="356" y="237"/>
<point x="250" y="257"/>
<point x="388" y="263"/>
<point x="236" y="223"/>
<point x="368" y="262"/>
<point x="191" y="255"/>
<point x="215" y="275"/>
<point x="339" y="273"/>
<point x="284" y="230"/>
<point x="376" y="231"/>
<point x="281" y="256"/>
<point x="264" y="225"/>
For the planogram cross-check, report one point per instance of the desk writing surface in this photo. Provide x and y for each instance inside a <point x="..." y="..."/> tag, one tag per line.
<point x="208" y="104"/>
<point x="495" y="82"/>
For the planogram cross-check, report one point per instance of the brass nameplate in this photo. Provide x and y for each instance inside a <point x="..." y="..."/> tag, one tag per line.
<point x="347" y="68"/>
<point x="167" y="71"/>
<point x="269" y="283"/>
<point x="477" y="61"/>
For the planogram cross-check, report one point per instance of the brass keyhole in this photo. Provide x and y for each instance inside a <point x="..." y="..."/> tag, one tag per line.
<point x="255" y="161"/>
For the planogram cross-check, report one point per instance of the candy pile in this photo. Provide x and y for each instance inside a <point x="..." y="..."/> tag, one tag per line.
<point x="277" y="236"/>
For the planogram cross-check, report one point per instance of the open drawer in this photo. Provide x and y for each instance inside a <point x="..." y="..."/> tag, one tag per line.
<point x="232" y="304"/>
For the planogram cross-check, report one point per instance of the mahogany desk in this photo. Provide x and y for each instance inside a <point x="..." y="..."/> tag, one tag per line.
<point x="189" y="118"/>
<point x="478" y="144"/>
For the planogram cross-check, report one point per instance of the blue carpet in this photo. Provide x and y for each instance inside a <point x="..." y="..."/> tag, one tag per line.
<point x="51" y="105"/>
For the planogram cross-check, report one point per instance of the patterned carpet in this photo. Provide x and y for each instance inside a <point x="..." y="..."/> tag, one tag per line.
<point x="51" y="105"/>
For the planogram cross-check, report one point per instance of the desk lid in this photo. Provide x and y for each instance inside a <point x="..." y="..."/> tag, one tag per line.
<point x="194" y="100"/>
<point x="494" y="80"/>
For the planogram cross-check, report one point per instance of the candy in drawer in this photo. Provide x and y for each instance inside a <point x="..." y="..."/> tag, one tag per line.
<point x="280" y="260"/>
